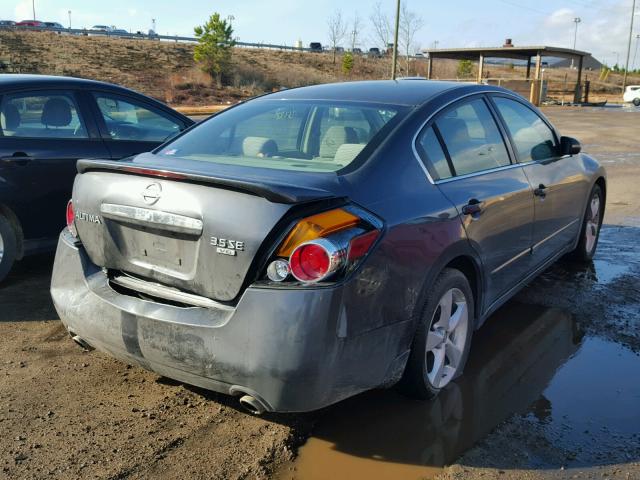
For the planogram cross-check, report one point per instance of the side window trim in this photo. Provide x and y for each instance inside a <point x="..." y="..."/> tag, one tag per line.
<point x="503" y="123"/>
<point x="444" y="148"/>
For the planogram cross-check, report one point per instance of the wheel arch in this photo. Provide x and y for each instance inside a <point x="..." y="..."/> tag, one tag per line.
<point x="462" y="257"/>
<point x="602" y="183"/>
<point x="17" y="228"/>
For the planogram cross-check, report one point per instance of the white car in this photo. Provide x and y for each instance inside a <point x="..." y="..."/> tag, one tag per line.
<point x="632" y="95"/>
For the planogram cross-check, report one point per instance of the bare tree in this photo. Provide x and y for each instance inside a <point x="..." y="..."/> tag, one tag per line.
<point x="382" y="28"/>
<point x="356" y="30"/>
<point x="410" y="24"/>
<point x="337" y="30"/>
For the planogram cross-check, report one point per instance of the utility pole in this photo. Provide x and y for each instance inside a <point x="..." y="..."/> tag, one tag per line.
<point x="69" y="19"/>
<point x="576" y="20"/>
<point x="395" y="42"/>
<point x="33" y="6"/>
<point x="635" y="55"/>
<point x="626" y="68"/>
<point x="617" y="54"/>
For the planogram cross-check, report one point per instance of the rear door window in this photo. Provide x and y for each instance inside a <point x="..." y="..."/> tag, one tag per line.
<point x="532" y="138"/>
<point x="472" y="138"/>
<point x="41" y="115"/>
<point x="127" y="119"/>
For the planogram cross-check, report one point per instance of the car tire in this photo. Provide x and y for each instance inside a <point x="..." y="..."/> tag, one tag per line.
<point x="443" y="338"/>
<point x="590" y="230"/>
<point x="636" y="101"/>
<point x="8" y="247"/>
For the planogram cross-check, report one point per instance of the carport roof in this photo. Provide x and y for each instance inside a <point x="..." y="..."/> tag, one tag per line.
<point x="519" y="53"/>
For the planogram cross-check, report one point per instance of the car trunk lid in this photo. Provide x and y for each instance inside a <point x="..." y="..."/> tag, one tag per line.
<point x="197" y="231"/>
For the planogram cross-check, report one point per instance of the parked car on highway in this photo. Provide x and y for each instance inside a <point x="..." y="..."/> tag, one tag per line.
<point x="310" y="244"/>
<point x="30" y="23"/>
<point x="54" y="25"/>
<point x="7" y="23"/>
<point x="46" y="124"/>
<point x="119" y="31"/>
<point x="632" y="95"/>
<point x="315" y="46"/>
<point x="374" y="52"/>
<point x="102" y="29"/>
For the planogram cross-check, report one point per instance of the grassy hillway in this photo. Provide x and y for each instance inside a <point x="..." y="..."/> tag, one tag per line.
<point x="167" y="71"/>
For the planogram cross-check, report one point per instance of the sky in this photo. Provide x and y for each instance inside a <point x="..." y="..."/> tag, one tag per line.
<point x="603" y="31"/>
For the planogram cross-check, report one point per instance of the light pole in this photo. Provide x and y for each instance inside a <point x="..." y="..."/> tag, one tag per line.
<point x="635" y="55"/>
<point x="626" y="65"/>
<point x="576" y="20"/>
<point x="617" y="54"/>
<point x="69" y="19"/>
<point x="33" y="6"/>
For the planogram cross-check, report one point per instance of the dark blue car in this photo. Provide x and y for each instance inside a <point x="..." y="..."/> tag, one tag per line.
<point x="46" y="125"/>
<point x="311" y="244"/>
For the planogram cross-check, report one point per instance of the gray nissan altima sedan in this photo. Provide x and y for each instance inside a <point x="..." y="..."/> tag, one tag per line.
<point x="310" y="244"/>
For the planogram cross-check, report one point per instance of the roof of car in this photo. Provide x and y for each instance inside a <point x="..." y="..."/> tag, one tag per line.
<point x="394" y="92"/>
<point x="23" y="79"/>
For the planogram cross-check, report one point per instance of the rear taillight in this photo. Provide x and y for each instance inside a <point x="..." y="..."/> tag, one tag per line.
<point x="324" y="246"/>
<point x="71" y="219"/>
<point x="316" y="260"/>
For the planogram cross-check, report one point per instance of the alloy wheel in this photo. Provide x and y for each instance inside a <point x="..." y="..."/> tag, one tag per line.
<point x="446" y="338"/>
<point x="593" y="223"/>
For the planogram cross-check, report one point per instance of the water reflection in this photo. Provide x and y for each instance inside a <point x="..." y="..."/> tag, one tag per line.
<point x="384" y="435"/>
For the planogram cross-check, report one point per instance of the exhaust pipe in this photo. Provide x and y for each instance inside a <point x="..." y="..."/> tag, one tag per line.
<point x="252" y="405"/>
<point x="80" y="341"/>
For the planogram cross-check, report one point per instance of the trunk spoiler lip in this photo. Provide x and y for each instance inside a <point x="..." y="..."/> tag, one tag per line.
<point x="274" y="191"/>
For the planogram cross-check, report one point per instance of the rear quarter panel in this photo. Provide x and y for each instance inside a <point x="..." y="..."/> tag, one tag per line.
<point x="422" y="234"/>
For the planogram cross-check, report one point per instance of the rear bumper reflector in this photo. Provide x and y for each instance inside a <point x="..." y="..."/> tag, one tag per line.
<point x="152" y="218"/>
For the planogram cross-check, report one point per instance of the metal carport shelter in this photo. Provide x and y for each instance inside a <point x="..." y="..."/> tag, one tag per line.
<point x="517" y="53"/>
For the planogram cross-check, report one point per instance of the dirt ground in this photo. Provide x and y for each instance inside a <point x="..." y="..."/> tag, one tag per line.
<point x="532" y="405"/>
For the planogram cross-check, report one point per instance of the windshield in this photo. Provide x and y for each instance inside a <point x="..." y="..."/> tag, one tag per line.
<point x="312" y="136"/>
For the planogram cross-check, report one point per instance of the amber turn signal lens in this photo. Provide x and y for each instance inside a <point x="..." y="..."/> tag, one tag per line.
<point x="317" y="226"/>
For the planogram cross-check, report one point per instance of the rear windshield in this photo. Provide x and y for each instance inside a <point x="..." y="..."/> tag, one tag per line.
<point x="312" y="136"/>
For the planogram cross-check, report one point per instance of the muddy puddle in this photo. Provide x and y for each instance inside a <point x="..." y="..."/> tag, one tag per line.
<point x="576" y="391"/>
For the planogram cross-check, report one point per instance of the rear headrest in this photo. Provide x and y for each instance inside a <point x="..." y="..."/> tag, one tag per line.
<point x="334" y="137"/>
<point x="56" y="113"/>
<point x="347" y="152"/>
<point x="259" y="147"/>
<point x="11" y="117"/>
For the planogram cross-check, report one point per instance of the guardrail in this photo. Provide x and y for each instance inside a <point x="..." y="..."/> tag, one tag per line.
<point x="144" y="36"/>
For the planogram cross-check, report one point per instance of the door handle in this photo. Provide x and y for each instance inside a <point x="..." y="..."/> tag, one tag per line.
<point x="473" y="208"/>
<point x="18" y="158"/>
<point x="541" y="191"/>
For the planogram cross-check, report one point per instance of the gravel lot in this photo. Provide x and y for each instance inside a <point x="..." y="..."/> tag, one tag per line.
<point x="551" y="390"/>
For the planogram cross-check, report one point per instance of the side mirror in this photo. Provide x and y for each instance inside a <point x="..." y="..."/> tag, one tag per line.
<point x="569" y="146"/>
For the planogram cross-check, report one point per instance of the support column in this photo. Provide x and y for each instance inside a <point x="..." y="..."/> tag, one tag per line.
<point x="429" y="67"/>
<point x="480" y="68"/>
<point x="577" y="96"/>
<point x="534" y="97"/>
<point x="528" y="68"/>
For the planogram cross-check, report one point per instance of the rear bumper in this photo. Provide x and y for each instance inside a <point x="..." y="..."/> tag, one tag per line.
<point x="289" y="348"/>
